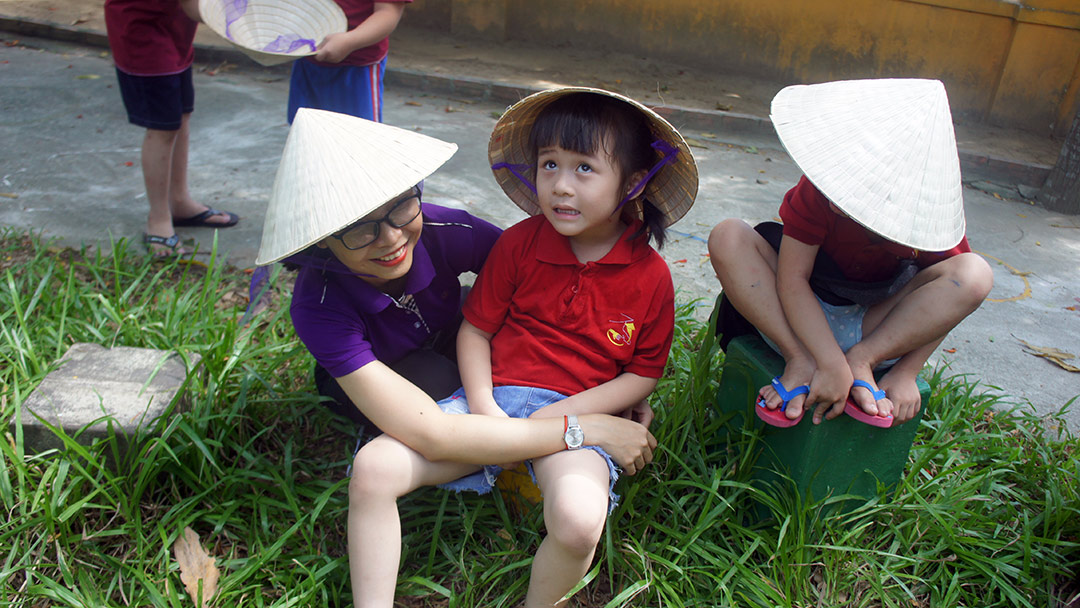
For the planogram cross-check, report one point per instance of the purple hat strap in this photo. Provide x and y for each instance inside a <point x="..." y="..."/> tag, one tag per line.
<point x="669" y="151"/>
<point x="286" y="43"/>
<point x="516" y="169"/>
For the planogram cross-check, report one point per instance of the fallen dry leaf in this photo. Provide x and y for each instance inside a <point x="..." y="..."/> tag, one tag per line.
<point x="195" y="565"/>
<point x="1055" y="355"/>
<point x="413" y="103"/>
<point x="949" y="350"/>
<point x="9" y="195"/>
<point x="695" y="143"/>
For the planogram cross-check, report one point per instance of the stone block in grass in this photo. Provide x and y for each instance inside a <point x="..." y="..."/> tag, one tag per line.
<point x="96" y="387"/>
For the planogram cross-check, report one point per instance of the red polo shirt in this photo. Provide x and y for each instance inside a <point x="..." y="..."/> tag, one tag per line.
<point x="566" y="326"/>
<point x="149" y="37"/>
<point x="356" y="12"/>
<point x="861" y="254"/>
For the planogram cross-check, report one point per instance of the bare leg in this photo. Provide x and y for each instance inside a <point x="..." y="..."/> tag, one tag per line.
<point x="157" y="161"/>
<point x="181" y="204"/>
<point x="575" y="488"/>
<point x="384" y="470"/>
<point x="746" y="266"/>
<point x="911" y="324"/>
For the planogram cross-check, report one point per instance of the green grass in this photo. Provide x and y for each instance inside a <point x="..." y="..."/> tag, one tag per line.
<point x="985" y="515"/>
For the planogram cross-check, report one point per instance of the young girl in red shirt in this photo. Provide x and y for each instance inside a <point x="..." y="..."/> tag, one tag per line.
<point x="572" y="314"/>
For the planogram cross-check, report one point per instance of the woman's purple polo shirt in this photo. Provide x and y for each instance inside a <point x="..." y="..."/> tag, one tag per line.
<point x="346" y="323"/>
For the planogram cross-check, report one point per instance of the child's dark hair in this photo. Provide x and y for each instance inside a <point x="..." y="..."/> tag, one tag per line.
<point x="582" y="122"/>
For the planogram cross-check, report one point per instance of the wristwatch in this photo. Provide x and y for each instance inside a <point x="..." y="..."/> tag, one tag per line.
<point x="572" y="433"/>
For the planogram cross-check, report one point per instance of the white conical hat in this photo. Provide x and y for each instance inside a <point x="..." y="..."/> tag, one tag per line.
<point x="274" y="31"/>
<point x="883" y="151"/>
<point x="335" y="170"/>
<point x="672" y="189"/>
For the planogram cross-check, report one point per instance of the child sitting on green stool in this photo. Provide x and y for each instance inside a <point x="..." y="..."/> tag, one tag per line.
<point x="871" y="268"/>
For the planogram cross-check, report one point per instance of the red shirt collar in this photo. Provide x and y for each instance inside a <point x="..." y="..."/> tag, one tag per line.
<point x="554" y="248"/>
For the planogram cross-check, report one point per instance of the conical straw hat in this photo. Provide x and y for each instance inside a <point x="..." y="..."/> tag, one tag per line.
<point x="672" y="189"/>
<point x="335" y="170"/>
<point x="274" y="31"/>
<point x="883" y="151"/>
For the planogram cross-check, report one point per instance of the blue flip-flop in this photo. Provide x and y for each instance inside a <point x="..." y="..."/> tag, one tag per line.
<point x="852" y="409"/>
<point x="776" y="417"/>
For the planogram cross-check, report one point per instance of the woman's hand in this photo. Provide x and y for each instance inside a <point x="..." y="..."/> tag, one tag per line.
<point x="628" y="443"/>
<point x="641" y="413"/>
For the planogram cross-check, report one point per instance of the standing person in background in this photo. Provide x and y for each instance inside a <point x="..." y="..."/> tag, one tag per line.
<point x="346" y="74"/>
<point x="151" y="42"/>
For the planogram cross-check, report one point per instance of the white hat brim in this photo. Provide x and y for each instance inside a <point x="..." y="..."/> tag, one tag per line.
<point x="883" y="151"/>
<point x="673" y="188"/>
<point x="265" y="24"/>
<point x="336" y="169"/>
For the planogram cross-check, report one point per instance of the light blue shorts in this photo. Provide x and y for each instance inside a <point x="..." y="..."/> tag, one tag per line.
<point x="517" y="402"/>
<point x="846" y="324"/>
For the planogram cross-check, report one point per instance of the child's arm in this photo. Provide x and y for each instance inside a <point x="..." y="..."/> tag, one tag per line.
<point x="474" y="363"/>
<point x="191" y="9"/>
<point x="612" y="397"/>
<point x="379" y="25"/>
<point x="832" y="380"/>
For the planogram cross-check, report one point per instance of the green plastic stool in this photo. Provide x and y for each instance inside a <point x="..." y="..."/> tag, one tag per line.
<point x="839" y="456"/>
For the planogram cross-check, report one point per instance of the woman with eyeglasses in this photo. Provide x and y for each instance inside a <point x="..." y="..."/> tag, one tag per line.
<point x="377" y="297"/>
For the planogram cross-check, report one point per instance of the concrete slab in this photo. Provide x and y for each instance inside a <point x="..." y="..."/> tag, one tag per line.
<point x="94" y="385"/>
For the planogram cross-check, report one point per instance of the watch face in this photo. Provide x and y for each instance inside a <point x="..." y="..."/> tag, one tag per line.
<point x="574" y="437"/>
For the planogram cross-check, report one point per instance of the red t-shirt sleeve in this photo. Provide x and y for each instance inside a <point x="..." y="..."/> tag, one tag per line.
<point x="654" y="339"/>
<point x="489" y="299"/>
<point x="804" y="213"/>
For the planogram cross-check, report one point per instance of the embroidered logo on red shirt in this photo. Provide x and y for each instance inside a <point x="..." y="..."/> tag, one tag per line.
<point x="625" y="333"/>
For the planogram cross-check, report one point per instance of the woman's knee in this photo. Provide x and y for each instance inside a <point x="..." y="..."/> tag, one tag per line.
<point x="374" y="473"/>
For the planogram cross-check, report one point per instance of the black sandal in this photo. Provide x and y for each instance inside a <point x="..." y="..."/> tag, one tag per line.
<point x="172" y="243"/>
<point x="199" y="220"/>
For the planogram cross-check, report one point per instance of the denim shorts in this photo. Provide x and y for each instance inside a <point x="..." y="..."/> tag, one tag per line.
<point x="846" y="324"/>
<point x="517" y="402"/>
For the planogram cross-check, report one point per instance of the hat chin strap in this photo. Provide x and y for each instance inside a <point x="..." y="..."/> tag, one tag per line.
<point x="669" y="151"/>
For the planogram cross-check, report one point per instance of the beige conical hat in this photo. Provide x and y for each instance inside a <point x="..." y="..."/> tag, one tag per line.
<point x="335" y="170"/>
<point x="672" y="189"/>
<point x="883" y="151"/>
<point x="274" y="31"/>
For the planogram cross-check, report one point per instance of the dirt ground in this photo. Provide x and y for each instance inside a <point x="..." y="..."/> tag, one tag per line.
<point x="648" y="79"/>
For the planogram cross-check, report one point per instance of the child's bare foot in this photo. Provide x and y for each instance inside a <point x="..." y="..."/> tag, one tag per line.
<point x="797" y="372"/>
<point x="903" y="392"/>
<point x="864" y="398"/>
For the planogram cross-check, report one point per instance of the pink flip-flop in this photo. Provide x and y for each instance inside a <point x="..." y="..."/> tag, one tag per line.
<point x="776" y="417"/>
<point x="852" y="409"/>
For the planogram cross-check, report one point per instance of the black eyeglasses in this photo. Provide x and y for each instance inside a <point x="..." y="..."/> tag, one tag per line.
<point x="365" y="232"/>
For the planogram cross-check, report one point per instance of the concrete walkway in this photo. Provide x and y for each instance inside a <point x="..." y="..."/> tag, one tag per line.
<point x="70" y="169"/>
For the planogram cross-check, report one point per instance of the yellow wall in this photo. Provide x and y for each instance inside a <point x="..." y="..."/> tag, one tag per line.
<point x="1012" y="63"/>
